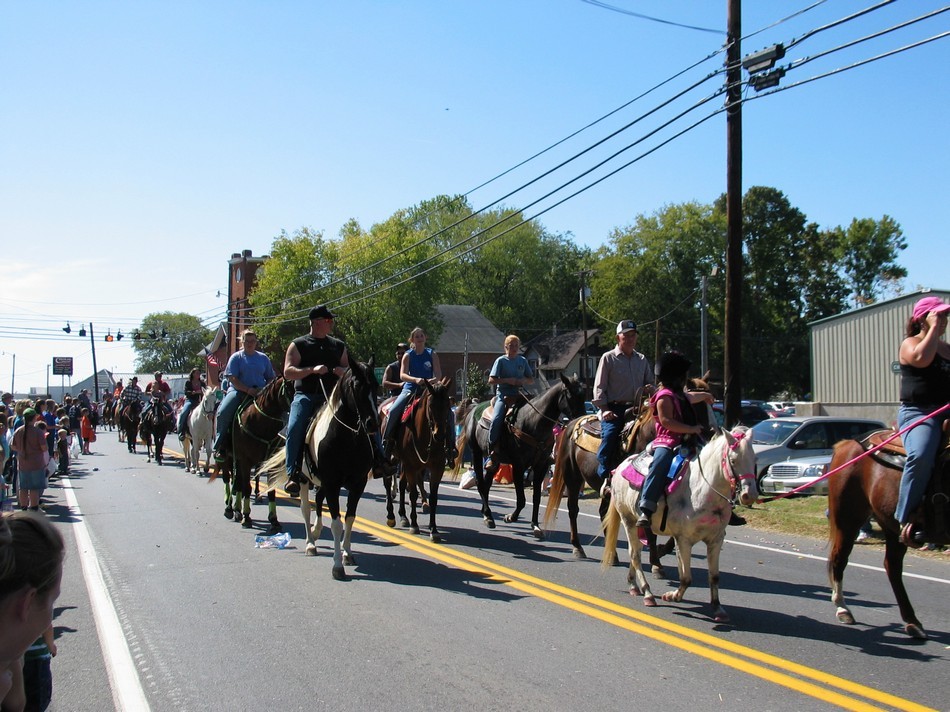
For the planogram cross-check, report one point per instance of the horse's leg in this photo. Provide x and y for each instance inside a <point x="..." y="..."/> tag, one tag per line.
<point x="713" y="549"/>
<point x="841" y="546"/>
<point x="684" y="550"/>
<point x="390" y="515"/>
<point x="520" y="500"/>
<point x="435" y="479"/>
<point x="414" y="486"/>
<point x="159" y="447"/>
<point x="312" y="535"/>
<point x="245" y="483"/>
<point x="352" y="502"/>
<point x="482" y="480"/>
<point x="238" y="498"/>
<point x="636" y="579"/>
<point x="186" y="451"/>
<point x="894" y="565"/>
<point x="537" y="483"/>
<point x="403" y="520"/>
<point x="336" y="527"/>
<point x="228" y="508"/>
<point x="275" y="525"/>
<point x="657" y="552"/>
<point x="573" y="507"/>
<point x="844" y="521"/>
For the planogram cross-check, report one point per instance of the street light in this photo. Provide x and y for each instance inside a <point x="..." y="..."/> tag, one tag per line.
<point x="763" y="59"/>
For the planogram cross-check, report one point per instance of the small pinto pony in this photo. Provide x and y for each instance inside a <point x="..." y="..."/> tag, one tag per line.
<point x="868" y="484"/>
<point x="200" y="432"/>
<point x="696" y="510"/>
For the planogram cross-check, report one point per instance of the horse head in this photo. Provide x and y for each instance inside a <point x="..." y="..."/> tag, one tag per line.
<point x="573" y="397"/>
<point x="360" y="389"/>
<point x="738" y="464"/>
<point x="437" y="405"/>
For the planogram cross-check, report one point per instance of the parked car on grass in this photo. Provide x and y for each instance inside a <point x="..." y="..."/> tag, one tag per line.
<point x="779" y="439"/>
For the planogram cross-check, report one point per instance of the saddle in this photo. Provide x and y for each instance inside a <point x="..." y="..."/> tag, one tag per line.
<point x="512" y="406"/>
<point x="636" y="467"/>
<point x="935" y="507"/>
<point x="587" y="436"/>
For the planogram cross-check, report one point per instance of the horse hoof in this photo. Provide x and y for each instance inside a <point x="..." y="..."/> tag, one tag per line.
<point x="404" y="523"/>
<point x="649" y="601"/>
<point x="489" y="522"/>
<point x="579" y="553"/>
<point x="339" y="574"/>
<point x="229" y="513"/>
<point x="658" y="573"/>
<point x="274" y="528"/>
<point x="414" y="529"/>
<point x="435" y="537"/>
<point x="237" y="516"/>
<point x="671" y="597"/>
<point x="349" y="559"/>
<point x="844" y="616"/>
<point x="538" y="534"/>
<point x="915" y="631"/>
<point x="391" y="522"/>
<point x="511" y="518"/>
<point x="311" y="550"/>
<point x="721" y="616"/>
<point x="247" y="523"/>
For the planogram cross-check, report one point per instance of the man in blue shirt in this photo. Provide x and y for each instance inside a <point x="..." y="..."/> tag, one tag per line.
<point x="248" y="371"/>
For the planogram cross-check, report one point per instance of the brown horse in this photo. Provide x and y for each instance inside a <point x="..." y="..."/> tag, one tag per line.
<point x="129" y="418"/>
<point x="860" y="489"/>
<point x="422" y="446"/>
<point x="576" y="465"/>
<point x="254" y="436"/>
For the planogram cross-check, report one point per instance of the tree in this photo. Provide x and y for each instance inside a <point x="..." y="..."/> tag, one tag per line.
<point x="170" y="342"/>
<point x="869" y="250"/>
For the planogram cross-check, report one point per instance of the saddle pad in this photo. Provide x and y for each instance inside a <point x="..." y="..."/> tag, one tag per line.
<point x="386" y="406"/>
<point x="894" y="447"/>
<point x="636" y="467"/>
<point x="410" y="409"/>
<point x="587" y="433"/>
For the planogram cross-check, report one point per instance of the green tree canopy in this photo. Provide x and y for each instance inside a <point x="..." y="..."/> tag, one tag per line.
<point x="170" y="342"/>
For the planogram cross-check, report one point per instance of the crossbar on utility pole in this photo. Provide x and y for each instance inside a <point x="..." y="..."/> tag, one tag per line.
<point x="732" y="363"/>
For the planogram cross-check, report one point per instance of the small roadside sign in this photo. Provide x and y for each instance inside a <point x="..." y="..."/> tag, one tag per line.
<point x="62" y="365"/>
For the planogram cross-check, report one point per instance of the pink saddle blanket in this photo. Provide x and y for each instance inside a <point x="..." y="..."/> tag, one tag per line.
<point x="635" y="468"/>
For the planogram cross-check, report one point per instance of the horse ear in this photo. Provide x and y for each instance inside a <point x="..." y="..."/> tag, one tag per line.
<point x="371" y="364"/>
<point x="729" y="437"/>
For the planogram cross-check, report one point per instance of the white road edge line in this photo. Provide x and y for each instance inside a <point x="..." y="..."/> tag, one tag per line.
<point x="127" y="692"/>
<point x="823" y="559"/>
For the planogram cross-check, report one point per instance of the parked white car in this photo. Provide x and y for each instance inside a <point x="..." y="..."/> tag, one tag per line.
<point x="789" y="475"/>
<point x="779" y="439"/>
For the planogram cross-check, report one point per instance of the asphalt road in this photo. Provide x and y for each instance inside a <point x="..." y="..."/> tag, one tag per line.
<point x="169" y="606"/>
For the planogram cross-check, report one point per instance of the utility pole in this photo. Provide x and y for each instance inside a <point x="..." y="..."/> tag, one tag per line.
<point x="703" y="342"/>
<point x="732" y="363"/>
<point x="584" y="293"/>
<point x="95" y="369"/>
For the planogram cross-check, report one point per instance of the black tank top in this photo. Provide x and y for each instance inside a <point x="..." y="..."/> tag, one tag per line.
<point x="926" y="386"/>
<point x="318" y="352"/>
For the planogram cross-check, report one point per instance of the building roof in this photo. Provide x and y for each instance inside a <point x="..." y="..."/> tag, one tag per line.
<point x="558" y="350"/>
<point x="459" y="321"/>
<point x="909" y="297"/>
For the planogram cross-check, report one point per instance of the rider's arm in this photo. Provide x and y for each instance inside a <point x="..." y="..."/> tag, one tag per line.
<point x="667" y="417"/>
<point x="238" y="386"/>
<point x="436" y="366"/>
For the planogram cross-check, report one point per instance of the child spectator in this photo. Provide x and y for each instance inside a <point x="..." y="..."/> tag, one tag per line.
<point x="87" y="431"/>
<point x="62" y="453"/>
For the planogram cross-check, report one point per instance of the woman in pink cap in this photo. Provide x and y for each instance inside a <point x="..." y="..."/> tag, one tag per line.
<point x="925" y="387"/>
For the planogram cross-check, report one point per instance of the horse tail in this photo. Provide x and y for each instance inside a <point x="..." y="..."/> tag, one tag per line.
<point x="611" y="528"/>
<point x="561" y="463"/>
<point x="274" y="468"/>
<point x="461" y="443"/>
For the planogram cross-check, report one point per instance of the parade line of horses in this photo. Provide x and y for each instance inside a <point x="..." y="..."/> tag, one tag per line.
<point x="340" y="450"/>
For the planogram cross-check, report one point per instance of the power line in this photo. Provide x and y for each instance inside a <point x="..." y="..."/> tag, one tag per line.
<point x="641" y="16"/>
<point x="785" y="19"/>
<point x="841" y="21"/>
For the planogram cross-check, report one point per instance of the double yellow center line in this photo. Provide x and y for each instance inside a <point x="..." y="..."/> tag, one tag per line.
<point x="800" y="678"/>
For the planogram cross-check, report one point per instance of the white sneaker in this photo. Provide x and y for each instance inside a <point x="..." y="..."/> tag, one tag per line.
<point x="862" y="535"/>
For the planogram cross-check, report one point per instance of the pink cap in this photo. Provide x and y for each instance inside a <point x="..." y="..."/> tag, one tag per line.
<point x="929" y="304"/>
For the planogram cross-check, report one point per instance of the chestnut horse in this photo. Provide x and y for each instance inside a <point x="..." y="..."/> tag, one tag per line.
<point x="422" y="446"/>
<point x="130" y="415"/>
<point x="860" y="489"/>
<point x="697" y="510"/>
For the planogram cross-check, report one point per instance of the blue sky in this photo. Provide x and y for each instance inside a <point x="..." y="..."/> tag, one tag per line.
<point x="143" y="143"/>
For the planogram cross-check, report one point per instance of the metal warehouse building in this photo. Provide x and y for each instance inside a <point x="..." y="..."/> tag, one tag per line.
<point x="854" y="366"/>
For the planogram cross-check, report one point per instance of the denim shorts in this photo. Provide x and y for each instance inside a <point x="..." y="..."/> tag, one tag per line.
<point x="33" y="479"/>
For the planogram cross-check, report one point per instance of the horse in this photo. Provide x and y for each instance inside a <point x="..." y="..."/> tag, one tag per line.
<point x="576" y="465"/>
<point x="200" y="432"/>
<point x="108" y="414"/>
<point x="525" y="443"/>
<point x="255" y="433"/>
<point x="156" y="424"/>
<point x="698" y="509"/>
<point x="129" y="418"/>
<point x="422" y="446"/>
<point x="864" y="487"/>
<point x="339" y="453"/>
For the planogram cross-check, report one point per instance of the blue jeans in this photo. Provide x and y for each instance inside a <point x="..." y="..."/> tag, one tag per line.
<point x="921" y="444"/>
<point x="38" y="684"/>
<point x="656" y="479"/>
<point x="395" y="412"/>
<point x="609" y="442"/>
<point x="183" y="416"/>
<point x="497" y="423"/>
<point x="301" y="412"/>
<point x="229" y="405"/>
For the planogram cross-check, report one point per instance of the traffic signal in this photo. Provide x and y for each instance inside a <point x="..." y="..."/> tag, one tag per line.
<point x="82" y="330"/>
<point x="108" y="337"/>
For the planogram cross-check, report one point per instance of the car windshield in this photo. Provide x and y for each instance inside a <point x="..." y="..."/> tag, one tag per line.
<point x="772" y="431"/>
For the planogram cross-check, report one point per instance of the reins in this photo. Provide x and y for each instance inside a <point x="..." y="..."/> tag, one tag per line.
<point x="864" y="454"/>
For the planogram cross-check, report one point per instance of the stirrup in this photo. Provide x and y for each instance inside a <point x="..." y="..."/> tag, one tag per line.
<point x="912" y="536"/>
